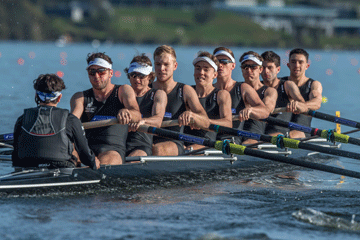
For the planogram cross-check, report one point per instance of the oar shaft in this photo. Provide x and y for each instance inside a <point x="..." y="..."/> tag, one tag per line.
<point x="287" y="142"/>
<point x="241" y="150"/>
<point x="307" y="164"/>
<point x="334" y="119"/>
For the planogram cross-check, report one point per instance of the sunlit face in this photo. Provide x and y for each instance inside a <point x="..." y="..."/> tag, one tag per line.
<point x="298" y="65"/>
<point x="99" y="79"/>
<point x="165" y="65"/>
<point x="139" y="81"/>
<point x="252" y="71"/>
<point x="225" y="69"/>
<point x="269" y="72"/>
<point x="204" y="73"/>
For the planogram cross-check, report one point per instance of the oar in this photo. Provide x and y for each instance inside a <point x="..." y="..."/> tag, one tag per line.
<point x="327" y="117"/>
<point x="333" y="136"/>
<point x="227" y="148"/>
<point x="334" y="119"/>
<point x="284" y="142"/>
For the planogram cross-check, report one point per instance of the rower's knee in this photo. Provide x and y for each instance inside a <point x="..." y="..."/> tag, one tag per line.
<point x="110" y="158"/>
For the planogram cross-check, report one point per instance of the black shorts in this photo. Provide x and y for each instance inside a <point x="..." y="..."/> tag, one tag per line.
<point x="46" y="164"/>
<point x="179" y="144"/>
<point x="101" y="148"/>
<point x="146" y="149"/>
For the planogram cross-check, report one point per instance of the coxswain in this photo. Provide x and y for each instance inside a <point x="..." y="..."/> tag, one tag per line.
<point x="45" y="136"/>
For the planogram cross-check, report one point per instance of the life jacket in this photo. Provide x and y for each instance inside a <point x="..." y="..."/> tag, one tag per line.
<point x="43" y="135"/>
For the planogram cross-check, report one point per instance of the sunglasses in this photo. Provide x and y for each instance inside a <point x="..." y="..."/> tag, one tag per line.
<point x="93" y="71"/>
<point x="136" y="74"/>
<point x="247" y="66"/>
<point x="224" y="61"/>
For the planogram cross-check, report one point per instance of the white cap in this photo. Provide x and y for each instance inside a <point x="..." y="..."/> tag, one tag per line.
<point x="252" y="58"/>
<point x="100" y="62"/>
<point x="140" y="68"/>
<point x="206" y="59"/>
<point x="222" y="52"/>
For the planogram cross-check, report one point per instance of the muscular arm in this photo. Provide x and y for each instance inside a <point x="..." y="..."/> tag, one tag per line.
<point x="128" y="98"/>
<point x="195" y="116"/>
<point x="255" y="108"/>
<point x="293" y="92"/>
<point x="224" y="102"/>
<point x="77" y="104"/>
<point x="158" y="109"/>
<point x="314" y="103"/>
<point x="270" y="98"/>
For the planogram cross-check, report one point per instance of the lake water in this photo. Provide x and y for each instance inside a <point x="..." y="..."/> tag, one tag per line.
<point x="311" y="205"/>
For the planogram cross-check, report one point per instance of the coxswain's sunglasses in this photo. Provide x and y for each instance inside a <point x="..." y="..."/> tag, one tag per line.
<point x="93" y="71"/>
<point x="136" y="74"/>
<point x="247" y="66"/>
<point x="224" y="61"/>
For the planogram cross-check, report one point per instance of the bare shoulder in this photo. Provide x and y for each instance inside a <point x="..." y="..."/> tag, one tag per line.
<point x="271" y="91"/>
<point x="223" y="94"/>
<point x="78" y="96"/>
<point x="160" y="94"/>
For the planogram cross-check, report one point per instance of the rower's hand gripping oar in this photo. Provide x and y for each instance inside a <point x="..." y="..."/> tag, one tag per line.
<point x="227" y="148"/>
<point x="282" y="142"/>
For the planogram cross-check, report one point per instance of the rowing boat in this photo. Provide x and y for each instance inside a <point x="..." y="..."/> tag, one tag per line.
<point x="141" y="167"/>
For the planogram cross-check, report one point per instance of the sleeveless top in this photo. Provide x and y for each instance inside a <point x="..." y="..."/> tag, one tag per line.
<point x="136" y="139"/>
<point x="305" y="90"/>
<point x="282" y="101"/>
<point x="175" y="106"/>
<point x="255" y="125"/>
<point x="43" y="135"/>
<point x="237" y="103"/>
<point x="211" y="106"/>
<point x="94" y="111"/>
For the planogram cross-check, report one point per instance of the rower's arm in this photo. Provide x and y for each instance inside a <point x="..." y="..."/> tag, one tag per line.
<point x="293" y="91"/>
<point x="315" y="100"/>
<point x="131" y="113"/>
<point x="158" y="109"/>
<point x="225" y="114"/>
<point x="77" y="104"/>
<point x="270" y="98"/>
<point x="195" y="116"/>
<point x="255" y="108"/>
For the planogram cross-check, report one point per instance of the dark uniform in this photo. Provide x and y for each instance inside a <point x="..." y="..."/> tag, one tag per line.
<point x="302" y="119"/>
<point x="237" y="104"/>
<point x="255" y="126"/>
<point x="282" y="101"/>
<point x="175" y="107"/>
<point x="104" y="138"/>
<point x="44" y="137"/>
<point x="140" y="140"/>
<point x="211" y="106"/>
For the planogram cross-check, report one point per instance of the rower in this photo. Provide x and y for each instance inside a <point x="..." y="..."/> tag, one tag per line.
<point x="183" y="103"/>
<point x="310" y="90"/>
<point x="244" y="100"/>
<point x="44" y="136"/>
<point x="287" y="90"/>
<point x="251" y="67"/>
<point x="215" y="101"/>
<point x="106" y="100"/>
<point x="152" y="105"/>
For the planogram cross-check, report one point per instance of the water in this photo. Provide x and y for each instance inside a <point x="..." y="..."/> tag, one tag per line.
<point x="278" y="203"/>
